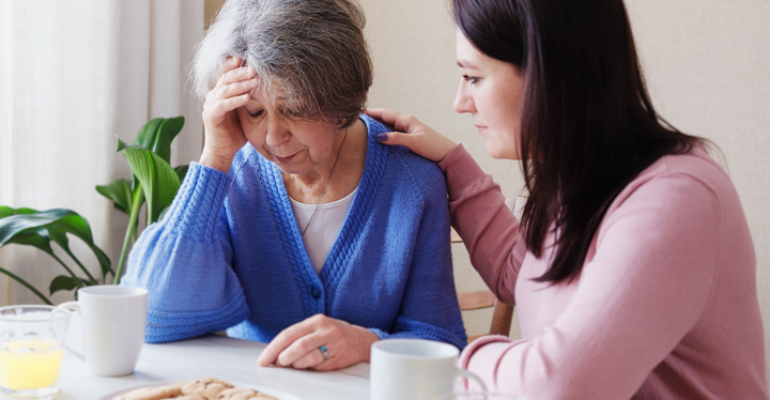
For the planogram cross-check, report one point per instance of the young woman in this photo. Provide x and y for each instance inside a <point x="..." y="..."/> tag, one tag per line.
<point x="633" y="268"/>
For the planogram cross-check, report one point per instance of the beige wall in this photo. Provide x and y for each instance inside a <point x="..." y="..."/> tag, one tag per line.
<point x="708" y="69"/>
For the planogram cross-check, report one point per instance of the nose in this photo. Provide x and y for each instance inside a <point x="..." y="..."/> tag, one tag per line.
<point x="463" y="100"/>
<point x="277" y="133"/>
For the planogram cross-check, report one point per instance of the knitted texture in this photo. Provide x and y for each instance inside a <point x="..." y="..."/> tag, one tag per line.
<point x="229" y="253"/>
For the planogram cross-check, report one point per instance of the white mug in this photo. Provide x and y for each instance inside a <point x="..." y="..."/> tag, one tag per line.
<point x="112" y="319"/>
<point x="414" y="369"/>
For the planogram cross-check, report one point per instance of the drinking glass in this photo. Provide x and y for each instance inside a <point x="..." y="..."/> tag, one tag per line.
<point x="31" y="345"/>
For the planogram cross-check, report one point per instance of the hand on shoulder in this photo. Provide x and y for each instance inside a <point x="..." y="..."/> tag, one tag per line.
<point x="416" y="136"/>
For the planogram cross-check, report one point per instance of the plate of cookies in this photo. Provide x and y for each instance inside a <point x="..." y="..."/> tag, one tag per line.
<point x="200" y="389"/>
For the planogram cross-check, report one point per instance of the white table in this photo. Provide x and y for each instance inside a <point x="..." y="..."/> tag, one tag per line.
<point x="229" y="359"/>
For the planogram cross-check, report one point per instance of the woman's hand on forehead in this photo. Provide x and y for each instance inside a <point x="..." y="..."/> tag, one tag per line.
<point x="223" y="132"/>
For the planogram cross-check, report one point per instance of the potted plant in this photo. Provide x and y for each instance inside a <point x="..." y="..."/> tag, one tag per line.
<point x="154" y="183"/>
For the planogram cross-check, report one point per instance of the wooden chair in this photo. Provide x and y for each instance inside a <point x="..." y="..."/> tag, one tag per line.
<point x="503" y="313"/>
<point x="501" y="317"/>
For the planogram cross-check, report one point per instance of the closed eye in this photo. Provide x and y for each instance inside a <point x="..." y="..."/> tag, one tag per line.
<point x="256" y="113"/>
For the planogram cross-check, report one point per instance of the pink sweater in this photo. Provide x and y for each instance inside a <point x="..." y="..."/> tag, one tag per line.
<point x="665" y="306"/>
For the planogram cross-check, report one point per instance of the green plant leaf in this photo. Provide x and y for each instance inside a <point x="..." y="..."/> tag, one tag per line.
<point x="6" y="211"/>
<point x="181" y="171"/>
<point x="158" y="134"/>
<point x="118" y="191"/>
<point x="159" y="181"/>
<point x="21" y="222"/>
<point x="59" y="218"/>
<point x="42" y="241"/>
<point x="59" y="236"/>
<point x="39" y="240"/>
<point x="64" y="282"/>
<point x="26" y="285"/>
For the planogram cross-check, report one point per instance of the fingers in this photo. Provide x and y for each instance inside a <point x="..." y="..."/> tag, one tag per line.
<point x="396" y="138"/>
<point x="401" y="122"/>
<point x="284" y="340"/>
<point x="299" y="348"/>
<point x="303" y="353"/>
<point x="230" y="64"/>
<point x="233" y="80"/>
<point x="227" y="97"/>
<point x="387" y="117"/>
<point x="382" y="115"/>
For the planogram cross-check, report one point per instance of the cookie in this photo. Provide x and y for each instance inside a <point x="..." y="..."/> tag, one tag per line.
<point x="243" y="394"/>
<point x="153" y="393"/>
<point x="201" y="389"/>
<point x="208" y="388"/>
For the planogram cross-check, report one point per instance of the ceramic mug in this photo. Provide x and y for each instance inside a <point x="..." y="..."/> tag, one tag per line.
<point x="113" y="320"/>
<point x="414" y="369"/>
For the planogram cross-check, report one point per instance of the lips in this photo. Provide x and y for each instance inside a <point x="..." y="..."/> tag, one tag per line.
<point x="284" y="160"/>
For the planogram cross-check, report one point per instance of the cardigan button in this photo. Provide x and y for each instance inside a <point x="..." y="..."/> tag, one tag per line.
<point x="315" y="293"/>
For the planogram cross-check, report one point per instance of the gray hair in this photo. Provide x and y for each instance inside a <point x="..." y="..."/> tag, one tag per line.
<point x="310" y="54"/>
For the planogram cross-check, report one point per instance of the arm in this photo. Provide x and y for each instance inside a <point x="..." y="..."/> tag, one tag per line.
<point x="487" y="226"/>
<point x="185" y="262"/>
<point x="639" y="294"/>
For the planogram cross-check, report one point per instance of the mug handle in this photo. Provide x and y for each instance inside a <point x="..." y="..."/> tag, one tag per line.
<point x="461" y="373"/>
<point x="73" y="306"/>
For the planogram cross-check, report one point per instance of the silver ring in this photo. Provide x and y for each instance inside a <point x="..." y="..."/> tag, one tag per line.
<point x="322" y="349"/>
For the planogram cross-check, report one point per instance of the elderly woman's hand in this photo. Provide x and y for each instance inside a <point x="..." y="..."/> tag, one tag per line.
<point x="298" y="346"/>
<point x="419" y="138"/>
<point x="224" y="135"/>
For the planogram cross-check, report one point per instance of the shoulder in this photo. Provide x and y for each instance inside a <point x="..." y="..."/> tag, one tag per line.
<point x="680" y="199"/>
<point x="684" y="187"/>
<point x="694" y="168"/>
<point x="407" y="167"/>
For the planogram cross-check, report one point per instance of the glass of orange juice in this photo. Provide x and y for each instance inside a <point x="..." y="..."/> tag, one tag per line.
<point x="31" y="345"/>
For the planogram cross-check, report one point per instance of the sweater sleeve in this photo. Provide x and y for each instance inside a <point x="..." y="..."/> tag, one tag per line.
<point x="185" y="262"/>
<point x="642" y="290"/>
<point x="487" y="226"/>
<point x="429" y="308"/>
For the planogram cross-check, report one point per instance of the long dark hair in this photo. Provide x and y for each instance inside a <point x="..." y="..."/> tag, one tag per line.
<point x="588" y="126"/>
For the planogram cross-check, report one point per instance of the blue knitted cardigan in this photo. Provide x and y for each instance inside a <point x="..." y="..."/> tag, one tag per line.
<point x="228" y="254"/>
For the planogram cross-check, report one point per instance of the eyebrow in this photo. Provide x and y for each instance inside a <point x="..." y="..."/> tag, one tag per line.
<point x="466" y="64"/>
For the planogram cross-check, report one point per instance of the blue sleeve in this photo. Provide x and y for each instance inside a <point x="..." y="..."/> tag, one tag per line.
<point x="429" y="308"/>
<point x="185" y="262"/>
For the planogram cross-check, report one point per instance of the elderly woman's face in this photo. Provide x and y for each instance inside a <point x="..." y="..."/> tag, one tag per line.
<point x="296" y="146"/>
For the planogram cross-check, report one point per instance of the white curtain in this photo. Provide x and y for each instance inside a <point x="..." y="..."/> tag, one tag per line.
<point x="73" y="75"/>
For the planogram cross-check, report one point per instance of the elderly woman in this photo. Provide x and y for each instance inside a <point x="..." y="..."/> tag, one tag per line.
<point x="297" y="227"/>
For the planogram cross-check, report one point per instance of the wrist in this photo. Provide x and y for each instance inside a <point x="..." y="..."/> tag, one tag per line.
<point x="368" y="338"/>
<point x="448" y="146"/>
<point x="215" y="161"/>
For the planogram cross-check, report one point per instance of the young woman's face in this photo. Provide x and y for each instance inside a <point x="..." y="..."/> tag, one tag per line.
<point x="491" y="91"/>
<point x="295" y="146"/>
